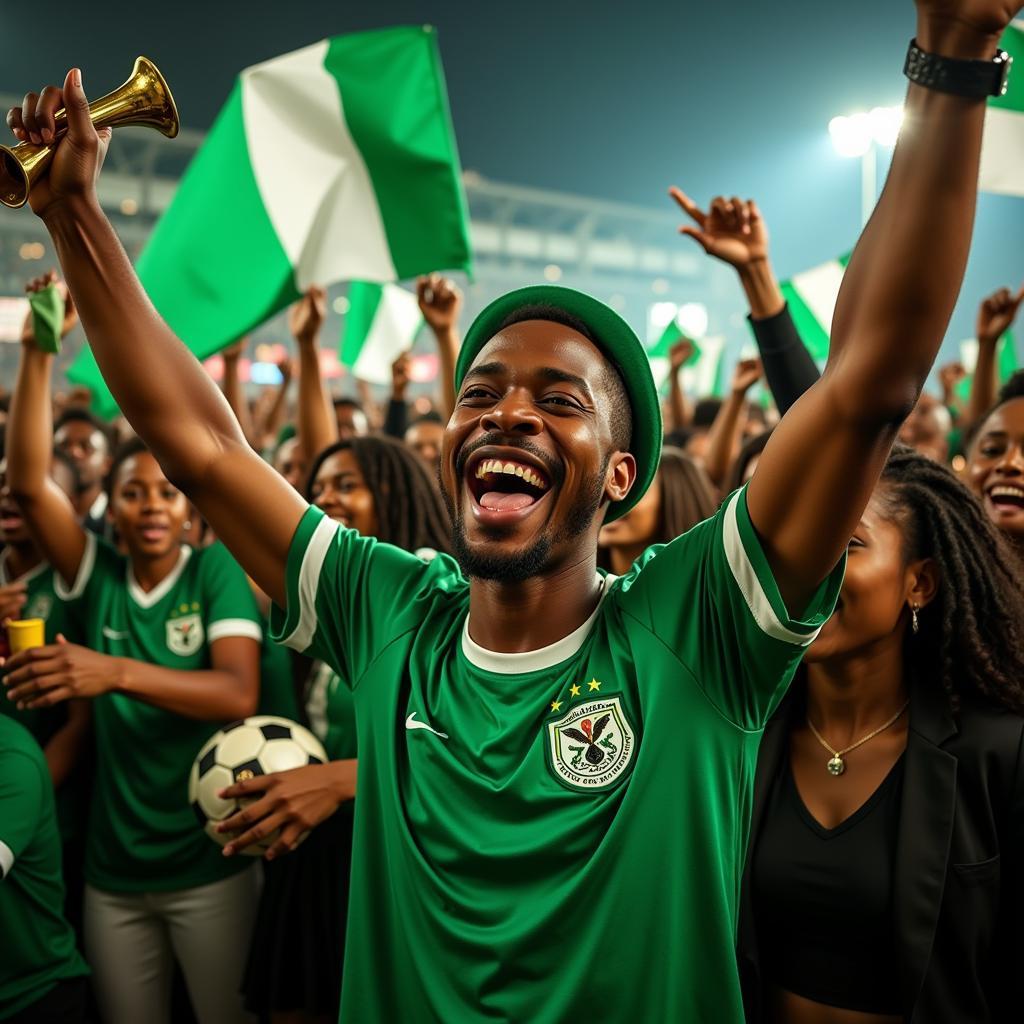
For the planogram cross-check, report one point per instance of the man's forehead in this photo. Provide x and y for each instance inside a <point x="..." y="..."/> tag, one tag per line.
<point x="533" y="343"/>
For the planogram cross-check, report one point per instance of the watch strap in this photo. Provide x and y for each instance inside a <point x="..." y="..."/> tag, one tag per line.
<point x="973" y="79"/>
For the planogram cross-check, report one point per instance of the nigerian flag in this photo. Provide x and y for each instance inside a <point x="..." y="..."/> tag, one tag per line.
<point x="1002" y="150"/>
<point x="382" y="322"/>
<point x="334" y="162"/>
<point x="812" y="296"/>
<point x="702" y="372"/>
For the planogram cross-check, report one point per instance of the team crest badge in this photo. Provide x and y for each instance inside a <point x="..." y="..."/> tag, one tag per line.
<point x="185" y="634"/>
<point x="592" y="745"/>
<point x="40" y="607"/>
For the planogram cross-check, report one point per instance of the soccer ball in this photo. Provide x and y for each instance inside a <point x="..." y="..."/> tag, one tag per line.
<point x="254" y="746"/>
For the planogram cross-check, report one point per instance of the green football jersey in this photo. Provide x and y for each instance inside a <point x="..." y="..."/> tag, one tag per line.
<point x="42" y="603"/>
<point x="143" y="834"/>
<point x="558" y="833"/>
<point x="277" y="693"/>
<point x="330" y="710"/>
<point x="38" y="944"/>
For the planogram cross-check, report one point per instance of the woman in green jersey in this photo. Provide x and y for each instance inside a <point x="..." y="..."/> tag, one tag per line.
<point x="884" y="881"/>
<point x="172" y="647"/>
<point x="379" y="488"/>
<point x="680" y="496"/>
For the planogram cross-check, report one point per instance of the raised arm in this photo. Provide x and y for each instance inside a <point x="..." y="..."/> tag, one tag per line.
<point x="441" y="304"/>
<point x="317" y="424"/>
<point x="727" y="428"/>
<point x="678" y="355"/>
<point x="233" y="391"/>
<point x="734" y="231"/>
<point x="48" y="511"/>
<point x="819" y="469"/>
<point x="160" y="386"/>
<point x="995" y="315"/>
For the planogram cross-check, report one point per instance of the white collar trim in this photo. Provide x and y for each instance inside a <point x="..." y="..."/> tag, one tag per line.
<point x="543" y="657"/>
<point x="98" y="507"/>
<point x="25" y="577"/>
<point x="146" y="599"/>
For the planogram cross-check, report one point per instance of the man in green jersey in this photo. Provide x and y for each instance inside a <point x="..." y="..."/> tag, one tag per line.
<point x="40" y="970"/>
<point x="555" y="767"/>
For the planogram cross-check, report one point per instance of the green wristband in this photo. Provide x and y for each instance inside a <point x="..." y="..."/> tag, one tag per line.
<point x="47" y="307"/>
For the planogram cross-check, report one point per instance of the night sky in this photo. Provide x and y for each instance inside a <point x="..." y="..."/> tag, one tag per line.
<point x="612" y="100"/>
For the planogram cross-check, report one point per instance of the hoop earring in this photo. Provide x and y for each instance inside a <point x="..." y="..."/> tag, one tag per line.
<point x="914" y="624"/>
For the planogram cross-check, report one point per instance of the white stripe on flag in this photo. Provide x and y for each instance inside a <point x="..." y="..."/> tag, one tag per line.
<point x="819" y="288"/>
<point x="312" y="178"/>
<point x="1002" y="151"/>
<point x="393" y="330"/>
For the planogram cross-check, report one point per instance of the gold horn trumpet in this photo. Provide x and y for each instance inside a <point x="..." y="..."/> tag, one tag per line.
<point x="143" y="99"/>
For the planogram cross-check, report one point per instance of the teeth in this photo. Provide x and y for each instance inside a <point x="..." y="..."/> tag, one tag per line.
<point x="488" y="466"/>
<point x="1009" y="492"/>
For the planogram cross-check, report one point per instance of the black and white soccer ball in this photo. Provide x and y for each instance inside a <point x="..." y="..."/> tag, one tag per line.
<point x="259" y="745"/>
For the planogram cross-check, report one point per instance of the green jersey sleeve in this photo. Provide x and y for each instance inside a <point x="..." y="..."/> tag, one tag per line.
<point x="230" y="608"/>
<point x="21" y="802"/>
<point x="349" y="596"/>
<point x="100" y="562"/>
<point x="710" y="597"/>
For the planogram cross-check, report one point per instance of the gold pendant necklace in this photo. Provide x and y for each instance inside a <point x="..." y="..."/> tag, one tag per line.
<point x="836" y="765"/>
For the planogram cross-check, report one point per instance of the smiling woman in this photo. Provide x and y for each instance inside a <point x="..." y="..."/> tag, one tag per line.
<point x="995" y="466"/>
<point x="170" y="647"/>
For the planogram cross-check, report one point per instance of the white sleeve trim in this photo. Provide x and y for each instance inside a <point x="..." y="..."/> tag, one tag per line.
<point x="233" y="627"/>
<point x="84" y="571"/>
<point x="309" y="582"/>
<point x="750" y="586"/>
<point x="6" y="860"/>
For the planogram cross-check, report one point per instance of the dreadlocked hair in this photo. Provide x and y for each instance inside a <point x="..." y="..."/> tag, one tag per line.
<point x="410" y="512"/>
<point x="972" y="634"/>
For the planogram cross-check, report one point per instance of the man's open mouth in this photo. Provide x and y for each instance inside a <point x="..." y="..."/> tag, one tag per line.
<point x="1007" y="496"/>
<point x="505" y="484"/>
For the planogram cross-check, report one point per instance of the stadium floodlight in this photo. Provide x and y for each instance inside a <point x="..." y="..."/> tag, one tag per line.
<point x="860" y="135"/>
<point x="693" y="319"/>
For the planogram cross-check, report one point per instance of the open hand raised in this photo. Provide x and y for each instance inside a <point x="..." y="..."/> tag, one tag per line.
<point x="731" y="230"/>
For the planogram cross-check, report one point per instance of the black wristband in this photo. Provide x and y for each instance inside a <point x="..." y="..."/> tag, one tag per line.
<point x="973" y="79"/>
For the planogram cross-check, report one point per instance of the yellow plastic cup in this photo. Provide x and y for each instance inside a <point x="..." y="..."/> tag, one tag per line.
<point x="24" y="634"/>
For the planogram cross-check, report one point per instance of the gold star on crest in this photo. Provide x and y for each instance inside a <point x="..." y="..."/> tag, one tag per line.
<point x="594" y="685"/>
<point x="575" y="689"/>
<point x="555" y="705"/>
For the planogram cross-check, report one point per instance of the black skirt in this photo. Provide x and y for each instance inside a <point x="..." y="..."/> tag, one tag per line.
<point x="298" y="942"/>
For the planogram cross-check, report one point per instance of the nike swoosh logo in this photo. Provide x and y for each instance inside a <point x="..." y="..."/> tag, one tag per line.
<point x="114" y="634"/>
<point x="411" y="723"/>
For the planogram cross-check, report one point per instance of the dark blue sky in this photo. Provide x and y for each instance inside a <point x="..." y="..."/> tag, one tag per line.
<point x="614" y="100"/>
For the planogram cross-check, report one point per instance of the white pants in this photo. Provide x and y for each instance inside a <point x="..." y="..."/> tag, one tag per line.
<point x="132" y="939"/>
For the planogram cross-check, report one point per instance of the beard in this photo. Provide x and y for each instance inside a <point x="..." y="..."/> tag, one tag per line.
<point x="531" y="561"/>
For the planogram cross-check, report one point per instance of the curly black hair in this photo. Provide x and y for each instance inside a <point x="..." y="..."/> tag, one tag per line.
<point x="410" y="512"/>
<point x="972" y="634"/>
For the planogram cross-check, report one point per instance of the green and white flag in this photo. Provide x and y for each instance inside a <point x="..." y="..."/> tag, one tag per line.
<point x="1006" y="359"/>
<point x="382" y="323"/>
<point x="702" y="372"/>
<point x="812" y="296"/>
<point x="1002" y="150"/>
<point x="334" y="162"/>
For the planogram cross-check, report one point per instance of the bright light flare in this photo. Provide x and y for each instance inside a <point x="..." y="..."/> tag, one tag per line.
<point x="693" y="319"/>
<point x="853" y="135"/>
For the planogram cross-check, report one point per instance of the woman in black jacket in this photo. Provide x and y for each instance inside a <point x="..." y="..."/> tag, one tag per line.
<point x="883" y="880"/>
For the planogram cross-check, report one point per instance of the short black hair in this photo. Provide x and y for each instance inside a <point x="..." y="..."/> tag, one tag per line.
<point x="678" y="438"/>
<point x="1013" y="388"/>
<point x="705" y="411"/>
<point x="124" y="451"/>
<point x="620" y="413"/>
<point x="427" y="417"/>
<point x="347" y="403"/>
<point x="78" y="415"/>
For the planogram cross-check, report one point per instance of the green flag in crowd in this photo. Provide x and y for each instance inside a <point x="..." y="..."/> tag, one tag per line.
<point x="812" y="296"/>
<point x="334" y="162"/>
<point x="1002" y="151"/>
<point x="382" y="322"/>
